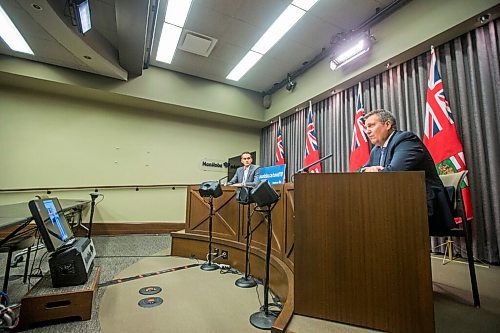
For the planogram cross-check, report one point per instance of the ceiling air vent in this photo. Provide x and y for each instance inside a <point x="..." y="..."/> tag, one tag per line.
<point x="197" y="43"/>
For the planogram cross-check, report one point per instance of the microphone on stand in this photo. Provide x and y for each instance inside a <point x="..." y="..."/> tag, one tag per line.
<point x="306" y="168"/>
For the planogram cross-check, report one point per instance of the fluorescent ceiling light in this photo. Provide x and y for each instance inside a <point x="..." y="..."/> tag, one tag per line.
<point x="170" y="35"/>
<point x="244" y="65"/>
<point x="11" y="36"/>
<point x="291" y="15"/>
<point x="304" y="4"/>
<point x="177" y="11"/>
<point x="283" y="23"/>
<point x="175" y="17"/>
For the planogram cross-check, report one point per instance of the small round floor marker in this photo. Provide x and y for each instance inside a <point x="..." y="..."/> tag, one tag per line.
<point x="150" y="302"/>
<point x="152" y="290"/>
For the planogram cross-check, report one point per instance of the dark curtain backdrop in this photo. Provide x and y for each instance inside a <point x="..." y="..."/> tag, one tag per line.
<point x="469" y="68"/>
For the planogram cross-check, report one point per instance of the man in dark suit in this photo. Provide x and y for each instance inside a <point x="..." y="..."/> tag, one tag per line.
<point x="403" y="151"/>
<point x="246" y="175"/>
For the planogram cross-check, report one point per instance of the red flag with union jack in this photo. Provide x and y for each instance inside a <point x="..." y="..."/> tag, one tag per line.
<point x="312" y="153"/>
<point x="360" y="150"/>
<point x="440" y="132"/>
<point x="280" y="149"/>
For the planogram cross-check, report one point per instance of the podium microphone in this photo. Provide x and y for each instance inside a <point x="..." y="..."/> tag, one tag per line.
<point x="222" y="178"/>
<point x="306" y="168"/>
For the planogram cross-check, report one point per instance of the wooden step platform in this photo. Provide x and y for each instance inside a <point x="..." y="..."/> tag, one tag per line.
<point x="47" y="305"/>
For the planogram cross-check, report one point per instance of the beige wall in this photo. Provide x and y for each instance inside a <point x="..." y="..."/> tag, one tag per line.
<point x="51" y="140"/>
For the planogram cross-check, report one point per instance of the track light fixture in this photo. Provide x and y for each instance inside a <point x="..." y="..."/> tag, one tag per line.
<point x="485" y="18"/>
<point x="291" y="84"/>
<point x="80" y="14"/>
<point x="350" y="50"/>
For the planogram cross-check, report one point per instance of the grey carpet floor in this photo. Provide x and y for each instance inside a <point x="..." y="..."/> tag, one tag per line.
<point x="114" y="254"/>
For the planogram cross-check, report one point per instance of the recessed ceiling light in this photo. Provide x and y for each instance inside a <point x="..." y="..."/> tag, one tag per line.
<point x="244" y="65"/>
<point x="175" y="17"/>
<point x="273" y="34"/>
<point x="11" y="36"/>
<point x="177" y="11"/>
<point x="280" y="27"/>
<point x="168" y="42"/>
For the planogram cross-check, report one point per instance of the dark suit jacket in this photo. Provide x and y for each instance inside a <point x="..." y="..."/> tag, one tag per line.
<point x="252" y="177"/>
<point x="406" y="152"/>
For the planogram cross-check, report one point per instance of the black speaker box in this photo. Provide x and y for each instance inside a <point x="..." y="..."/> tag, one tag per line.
<point x="264" y="194"/>
<point x="210" y="189"/>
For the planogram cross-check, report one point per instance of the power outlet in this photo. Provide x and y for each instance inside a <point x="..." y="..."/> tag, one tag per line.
<point x="216" y="252"/>
<point x="224" y="254"/>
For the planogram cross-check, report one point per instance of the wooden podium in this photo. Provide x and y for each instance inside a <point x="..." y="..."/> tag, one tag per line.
<point x="362" y="250"/>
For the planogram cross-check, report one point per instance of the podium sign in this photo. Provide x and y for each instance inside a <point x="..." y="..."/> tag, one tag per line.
<point x="275" y="174"/>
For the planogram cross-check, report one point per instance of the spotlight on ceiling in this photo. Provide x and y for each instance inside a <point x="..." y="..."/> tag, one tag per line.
<point x="350" y="50"/>
<point x="290" y="84"/>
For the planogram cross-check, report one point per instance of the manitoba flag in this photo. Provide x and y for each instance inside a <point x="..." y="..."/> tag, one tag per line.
<point x="360" y="150"/>
<point x="312" y="153"/>
<point x="440" y="132"/>
<point x="280" y="150"/>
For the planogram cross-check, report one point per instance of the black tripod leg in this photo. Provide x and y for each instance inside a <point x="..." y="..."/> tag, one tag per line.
<point x="210" y="266"/>
<point x="265" y="319"/>
<point x="247" y="281"/>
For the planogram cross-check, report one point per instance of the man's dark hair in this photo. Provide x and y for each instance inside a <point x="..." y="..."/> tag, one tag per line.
<point x="384" y="116"/>
<point x="246" y="152"/>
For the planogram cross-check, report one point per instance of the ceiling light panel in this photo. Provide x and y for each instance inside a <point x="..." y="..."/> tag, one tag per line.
<point x="283" y="23"/>
<point x="11" y="36"/>
<point x="291" y="15"/>
<point x="175" y="17"/>
<point x="177" y="12"/>
<point x="170" y="35"/>
<point x="304" y="4"/>
<point x="244" y="65"/>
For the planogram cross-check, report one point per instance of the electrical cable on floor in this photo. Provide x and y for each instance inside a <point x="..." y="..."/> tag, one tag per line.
<point x="8" y="318"/>
<point x="227" y="269"/>
<point x="145" y="275"/>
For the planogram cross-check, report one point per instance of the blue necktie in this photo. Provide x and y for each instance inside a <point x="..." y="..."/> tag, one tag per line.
<point x="382" y="156"/>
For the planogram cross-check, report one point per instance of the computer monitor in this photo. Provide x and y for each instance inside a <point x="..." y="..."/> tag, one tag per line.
<point x="51" y="223"/>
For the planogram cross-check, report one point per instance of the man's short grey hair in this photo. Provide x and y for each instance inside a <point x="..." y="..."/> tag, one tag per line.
<point x="384" y="116"/>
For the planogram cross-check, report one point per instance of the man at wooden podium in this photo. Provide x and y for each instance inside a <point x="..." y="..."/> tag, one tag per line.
<point x="246" y="175"/>
<point x="404" y="151"/>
